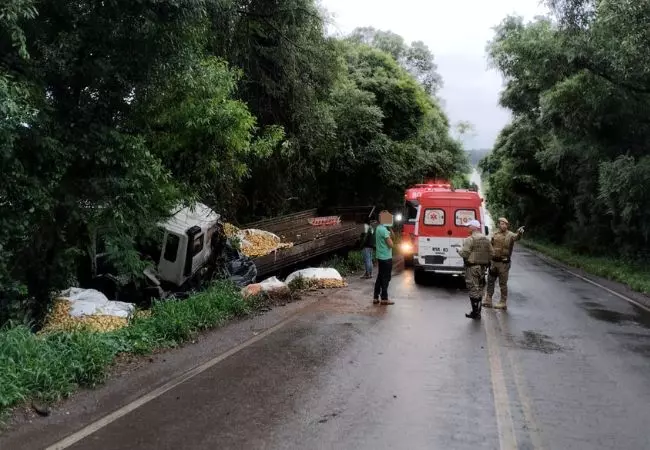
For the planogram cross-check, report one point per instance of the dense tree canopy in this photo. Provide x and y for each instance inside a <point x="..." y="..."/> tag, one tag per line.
<point x="115" y="112"/>
<point x="416" y="58"/>
<point x="574" y="164"/>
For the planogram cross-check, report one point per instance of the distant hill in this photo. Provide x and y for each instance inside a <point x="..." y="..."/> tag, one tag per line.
<point x="476" y="155"/>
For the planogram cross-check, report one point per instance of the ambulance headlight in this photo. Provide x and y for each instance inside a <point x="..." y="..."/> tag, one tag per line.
<point x="406" y="247"/>
<point x="398" y="217"/>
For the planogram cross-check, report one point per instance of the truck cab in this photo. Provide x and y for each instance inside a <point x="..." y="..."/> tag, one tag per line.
<point x="441" y="226"/>
<point x="180" y="253"/>
<point x="187" y="244"/>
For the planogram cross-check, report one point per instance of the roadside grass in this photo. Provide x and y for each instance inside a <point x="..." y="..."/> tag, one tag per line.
<point x="346" y="266"/>
<point x="299" y="284"/>
<point x="636" y="276"/>
<point x="49" y="367"/>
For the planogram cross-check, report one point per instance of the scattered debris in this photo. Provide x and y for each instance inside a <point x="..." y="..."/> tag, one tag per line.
<point x="271" y="287"/>
<point x="78" y="309"/>
<point x="325" y="221"/>
<point x="319" y="278"/>
<point x="60" y="319"/>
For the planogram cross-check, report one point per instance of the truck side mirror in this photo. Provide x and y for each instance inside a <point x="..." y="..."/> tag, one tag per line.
<point x="487" y="230"/>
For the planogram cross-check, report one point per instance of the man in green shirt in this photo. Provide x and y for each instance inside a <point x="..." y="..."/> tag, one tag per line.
<point x="384" y="254"/>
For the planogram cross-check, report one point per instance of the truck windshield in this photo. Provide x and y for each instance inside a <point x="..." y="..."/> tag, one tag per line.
<point x="411" y="211"/>
<point x="197" y="245"/>
<point x="151" y="244"/>
<point x="171" y="247"/>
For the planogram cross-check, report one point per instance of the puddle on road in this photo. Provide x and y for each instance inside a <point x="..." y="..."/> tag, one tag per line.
<point x="596" y="311"/>
<point x="591" y="304"/>
<point x="606" y="315"/>
<point x="532" y="340"/>
<point x="635" y="342"/>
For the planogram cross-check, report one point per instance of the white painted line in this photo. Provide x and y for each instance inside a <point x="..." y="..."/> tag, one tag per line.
<point x="505" y="425"/>
<point x="621" y="296"/>
<point x="115" y="415"/>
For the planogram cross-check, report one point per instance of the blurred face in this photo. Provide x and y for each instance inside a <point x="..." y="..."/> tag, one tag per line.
<point x="503" y="226"/>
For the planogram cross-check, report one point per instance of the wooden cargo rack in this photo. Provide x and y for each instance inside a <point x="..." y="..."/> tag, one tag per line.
<point x="309" y="241"/>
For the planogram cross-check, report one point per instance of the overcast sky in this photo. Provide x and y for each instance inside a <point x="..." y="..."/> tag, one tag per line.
<point x="457" y="33"/>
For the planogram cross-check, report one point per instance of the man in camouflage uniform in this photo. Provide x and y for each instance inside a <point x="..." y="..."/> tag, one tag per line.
<point x="503" y="242"/>
<point x="477" y="253"/>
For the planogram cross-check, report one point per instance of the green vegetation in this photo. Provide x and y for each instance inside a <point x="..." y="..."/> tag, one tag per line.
<point x="113" y="112"/>
<point x="573" y="166"/>
<point x="51" y="366"/>
<point x="349" y="265"/>
<point x="636" y="276"/>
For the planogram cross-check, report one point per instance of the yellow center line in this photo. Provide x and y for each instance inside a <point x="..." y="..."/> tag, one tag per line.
<point x="526" y="403"/>
<point x="505" y="425"/>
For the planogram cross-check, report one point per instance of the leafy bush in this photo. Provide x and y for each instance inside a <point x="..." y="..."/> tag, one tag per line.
<point x="346" y="266"/>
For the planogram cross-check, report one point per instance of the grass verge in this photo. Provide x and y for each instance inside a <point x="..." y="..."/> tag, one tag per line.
<point x="49" y="367"/>
<point x="633" y="275"/>
<point x="346" y="266"/>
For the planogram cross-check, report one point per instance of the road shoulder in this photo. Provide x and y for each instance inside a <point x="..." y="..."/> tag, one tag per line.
<point x="619" y="289"/>
<point x="133" y="377"/>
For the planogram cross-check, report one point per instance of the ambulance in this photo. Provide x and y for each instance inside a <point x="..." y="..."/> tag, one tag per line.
<point x="409" y="219"/>
<point x="440" y="227"/>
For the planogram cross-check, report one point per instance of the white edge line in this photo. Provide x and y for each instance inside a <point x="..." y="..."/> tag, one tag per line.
<point x="621" y="296"/>
<point x="121" y="412"/>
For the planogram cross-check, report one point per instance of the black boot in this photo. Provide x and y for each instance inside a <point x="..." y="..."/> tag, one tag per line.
<point x="479" y="303"/>
<point x="471" y="315"/>
<point x="476" y="309"/>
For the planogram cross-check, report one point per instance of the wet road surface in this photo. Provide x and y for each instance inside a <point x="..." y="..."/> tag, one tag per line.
<point x="567" y="367"/>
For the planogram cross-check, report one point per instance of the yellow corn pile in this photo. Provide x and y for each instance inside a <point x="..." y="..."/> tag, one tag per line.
<point x="257" y="244"/>
<point x="59" y="320"/>
<point x="329" y="283"/>
<point x="230" y="230"/>
<point x="324" y="283"/>
<point x="261" y="245"/>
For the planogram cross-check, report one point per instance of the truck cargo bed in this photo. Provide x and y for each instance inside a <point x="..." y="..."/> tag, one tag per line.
<point x="309" y="241"/>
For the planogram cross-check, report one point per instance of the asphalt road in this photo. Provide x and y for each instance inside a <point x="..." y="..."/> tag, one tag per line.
<point x="567" y="367"/>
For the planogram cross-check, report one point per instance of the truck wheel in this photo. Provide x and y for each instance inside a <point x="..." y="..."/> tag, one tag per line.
<point x="418" y="276"/>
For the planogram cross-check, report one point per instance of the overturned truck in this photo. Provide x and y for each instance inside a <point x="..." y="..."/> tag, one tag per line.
<point x="192" y="247"/>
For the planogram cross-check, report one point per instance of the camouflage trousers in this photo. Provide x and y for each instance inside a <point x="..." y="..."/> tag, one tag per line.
<point x="475" y="280"/>
<point x="498" y="270"/>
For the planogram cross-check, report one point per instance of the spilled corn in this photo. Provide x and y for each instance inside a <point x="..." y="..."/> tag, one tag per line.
<point x="59" y="319"/>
